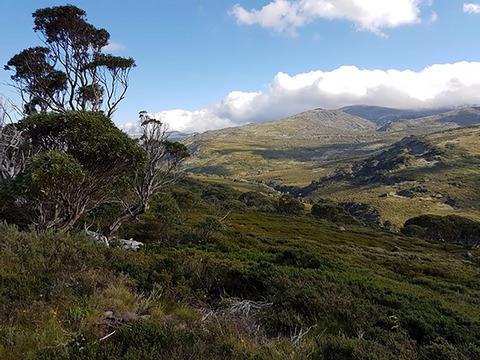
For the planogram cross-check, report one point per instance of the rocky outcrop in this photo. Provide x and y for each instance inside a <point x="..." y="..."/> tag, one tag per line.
<point x="121" y="243"/>
<point x="410" y="151"/>
<point x="128" y="244"/>
<point x="365" y="214"/>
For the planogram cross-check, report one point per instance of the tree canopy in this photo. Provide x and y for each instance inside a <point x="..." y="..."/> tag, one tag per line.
<point x="70" y="72"/>
<point x="66" y="158"/>
<point x="81" y="161"/>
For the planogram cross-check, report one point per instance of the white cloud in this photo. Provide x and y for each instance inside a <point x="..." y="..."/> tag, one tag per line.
<point x="435" y="86"/>
<point x="113" y="46"/>
<point x="371" y="15"/>
<point x="471" y="8"/>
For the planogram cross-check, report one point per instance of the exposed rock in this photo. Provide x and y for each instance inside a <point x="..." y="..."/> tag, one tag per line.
<point x="406" y="193"/>
<point x="380" y="168"/>
<point x="412" y="192"/>
<point x="124" y="244"/>
<point x="120" y="317"/>
<point x="363" y="213"/>
<point x="129" y="244"/>
<point x="452" y="202"/>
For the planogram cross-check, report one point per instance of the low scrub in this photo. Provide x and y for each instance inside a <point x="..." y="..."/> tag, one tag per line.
<point x="450" y="229"/>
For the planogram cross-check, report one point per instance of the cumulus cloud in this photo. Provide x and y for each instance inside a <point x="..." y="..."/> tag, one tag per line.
<point x="371" y="15"/>
<point x="471" y="8"/>
<point x="435" y="86"/>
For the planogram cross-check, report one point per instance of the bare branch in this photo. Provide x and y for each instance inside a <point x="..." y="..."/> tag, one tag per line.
<point x="13" y="150"/>
<point x="162" y="169"/>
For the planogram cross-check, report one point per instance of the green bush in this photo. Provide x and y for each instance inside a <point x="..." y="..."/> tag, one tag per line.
<point x="447" y="229"/>
<point x="82" y="161"/>
<point x="205" y="229"/>
<point x="257" y="201"/>
<point x="440" y="350"/>
<point x="414" y="231"/>
<point x="289" y="205"/>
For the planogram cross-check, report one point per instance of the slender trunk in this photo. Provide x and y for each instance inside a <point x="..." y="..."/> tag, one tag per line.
<point x="126" y="215"/>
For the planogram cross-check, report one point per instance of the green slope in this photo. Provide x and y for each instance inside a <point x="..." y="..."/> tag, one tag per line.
<point x="295" y="150"/>
<point x="299" y="149"/>
<point x="442" y="178"/>
<point x="357" y="293"/>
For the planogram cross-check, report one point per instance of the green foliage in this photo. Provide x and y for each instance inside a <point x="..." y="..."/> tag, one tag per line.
<point x="257" y="201"/>
<point x="287" y="204"/>
<point x="352" y="296"/>
<point x="63" y="23"/>
<point x="167" y="211"/>
<point x="176" y="149"/>
<point x="51" y="172"/>
<point x="89" y="137"/>
<point x="159" y="224"/>
<point x="414" y="231"/>
<point x="83" y="161"/>
<point x="70" y="72"/>
<point x="111" y="62"/>
<point x="46" y="188"/>
<point x="205" y="229"/>
<point x="40" y="78"/>
<point x="441" y="350"/>
<point x="331" y="212"/>
<point x="449" y="229"/>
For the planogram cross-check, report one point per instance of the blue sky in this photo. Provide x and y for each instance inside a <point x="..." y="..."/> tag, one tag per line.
<point x="191" y="54"/>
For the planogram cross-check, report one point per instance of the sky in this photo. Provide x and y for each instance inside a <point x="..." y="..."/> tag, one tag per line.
<point x="209" y="64"/>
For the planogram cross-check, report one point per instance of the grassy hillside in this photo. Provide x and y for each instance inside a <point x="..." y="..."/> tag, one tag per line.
<point x="265" y="286"/>
<point x="306" y="146"/>
<point x="452" y="119"/>
<point x="441" y="185"/>
<point x="311" y="146"/>
<point x="294" y="151"/>
<point x="383" y="116"/>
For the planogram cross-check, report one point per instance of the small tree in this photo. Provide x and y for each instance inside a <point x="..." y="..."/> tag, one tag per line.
<point x="327" y="212"/>
<point x="83" y="161"/>
<point x="161" y="169"/>
<point x="205" y="229"/>
<point x="166" y="212"/>
<point x="70" y="72"/>
<point x="287" y="204"/>
<point x="50" y="190"/>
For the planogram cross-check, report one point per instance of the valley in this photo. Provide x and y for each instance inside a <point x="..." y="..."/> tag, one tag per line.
<point x="242" y="204"/>
<point x="402" y="167"/>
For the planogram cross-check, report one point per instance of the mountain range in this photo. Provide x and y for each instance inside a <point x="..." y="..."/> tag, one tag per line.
<point x="358" y="153"/>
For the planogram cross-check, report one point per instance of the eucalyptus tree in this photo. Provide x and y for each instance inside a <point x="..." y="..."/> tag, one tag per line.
<point x="162" y="167"/>
<point x="70" y="71"/>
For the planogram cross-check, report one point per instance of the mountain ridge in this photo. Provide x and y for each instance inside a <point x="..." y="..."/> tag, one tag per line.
<point x="297" y="149"/>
